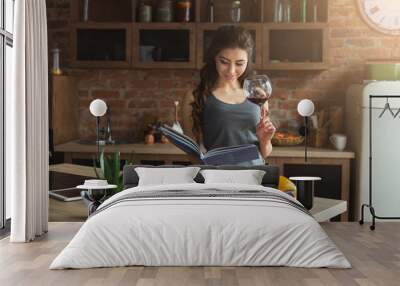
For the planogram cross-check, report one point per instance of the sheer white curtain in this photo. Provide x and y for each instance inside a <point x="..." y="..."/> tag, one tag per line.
<point x="27" y="124"/>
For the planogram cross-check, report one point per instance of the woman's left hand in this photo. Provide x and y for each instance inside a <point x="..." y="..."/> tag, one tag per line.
<point x="265" y="130"/>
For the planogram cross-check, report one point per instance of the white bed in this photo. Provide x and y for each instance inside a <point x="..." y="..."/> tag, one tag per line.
<point x="236" y="229"/>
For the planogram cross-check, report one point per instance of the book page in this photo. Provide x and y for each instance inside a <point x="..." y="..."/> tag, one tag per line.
<point x="182" y="141"/>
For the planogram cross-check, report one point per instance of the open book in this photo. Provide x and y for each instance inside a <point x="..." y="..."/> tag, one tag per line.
<point x="218" y="156"/>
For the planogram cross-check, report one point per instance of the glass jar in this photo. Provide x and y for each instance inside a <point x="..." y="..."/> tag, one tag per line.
<point x="235" y="11"/>
<point x="303" y="11"/>
<point x="145" y="13"/>
<point x="165" y="11"/>
<point x="278" y="6"/>
<point x="287" y="11"/>
<point x="183" y="10"/>
<point x="315" y="11"/>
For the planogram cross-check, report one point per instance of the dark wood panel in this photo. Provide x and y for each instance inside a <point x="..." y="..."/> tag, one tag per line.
<point x="65" y="109"/>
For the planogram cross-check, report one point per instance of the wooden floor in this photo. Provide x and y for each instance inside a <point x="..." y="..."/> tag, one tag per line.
<point x="375" y="257"/>
<point x="67" y="211"/>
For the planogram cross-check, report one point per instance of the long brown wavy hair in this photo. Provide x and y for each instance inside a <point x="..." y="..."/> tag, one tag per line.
<point x="226" y="37"/>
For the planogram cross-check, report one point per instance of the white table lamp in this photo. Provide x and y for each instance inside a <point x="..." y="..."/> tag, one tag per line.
<point x="305" y="108"/>
<point x="98" y="108"/>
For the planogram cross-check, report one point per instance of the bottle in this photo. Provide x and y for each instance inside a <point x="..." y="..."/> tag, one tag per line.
<point x="176" y="125"/>
<point x="133" y="10"/>
<point x="315" y="11"/>
<point x="183" y="10"/>
<point x="303" y="11"/>
<point x="235" y="11"/>
<point x="211" y="11"/>
<point x="56" y="62"/>
<point x="86" y="10"/>
<point x="149" y="137"/>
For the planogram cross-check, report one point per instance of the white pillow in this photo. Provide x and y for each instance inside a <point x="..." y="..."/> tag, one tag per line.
<point x="165" y="176"/>
<point x="248" y="177"/>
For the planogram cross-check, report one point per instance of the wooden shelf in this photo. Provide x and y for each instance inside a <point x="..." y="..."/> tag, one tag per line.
<point x="296" y="26"/>
<point x="322" y="11"/>
<point x="103" y="10"/>
<point x="251" y="11"/>
<point x="296" y="66"/>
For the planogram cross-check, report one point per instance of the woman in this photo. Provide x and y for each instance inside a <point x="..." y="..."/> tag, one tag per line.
<point x="217" y="112"/>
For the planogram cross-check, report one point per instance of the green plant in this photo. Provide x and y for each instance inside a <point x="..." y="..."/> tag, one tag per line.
<point x="110" y="169"/>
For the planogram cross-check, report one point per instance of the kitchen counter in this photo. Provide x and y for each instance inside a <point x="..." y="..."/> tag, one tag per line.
<point x="169" y="149"/>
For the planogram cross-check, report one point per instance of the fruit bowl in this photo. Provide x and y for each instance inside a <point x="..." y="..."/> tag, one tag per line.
<point x="286" y="139"/>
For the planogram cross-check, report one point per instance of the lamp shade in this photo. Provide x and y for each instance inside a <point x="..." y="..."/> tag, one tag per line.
<point x="98" y="107"/>
<point x="305" y="107"/>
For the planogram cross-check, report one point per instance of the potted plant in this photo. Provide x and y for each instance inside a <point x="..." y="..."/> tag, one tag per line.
<point x="110" y="170"/>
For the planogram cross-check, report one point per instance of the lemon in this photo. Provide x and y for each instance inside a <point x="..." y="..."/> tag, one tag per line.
<point x="287" y="186"/>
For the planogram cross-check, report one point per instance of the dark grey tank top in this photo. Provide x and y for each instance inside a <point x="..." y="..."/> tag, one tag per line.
<point x="228" y="124"/>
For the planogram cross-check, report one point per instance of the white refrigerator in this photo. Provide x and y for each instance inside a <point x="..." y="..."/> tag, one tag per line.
<point x="385" y="147"/>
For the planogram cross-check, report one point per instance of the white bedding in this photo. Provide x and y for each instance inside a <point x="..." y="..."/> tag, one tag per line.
<point x="182" y="231"/>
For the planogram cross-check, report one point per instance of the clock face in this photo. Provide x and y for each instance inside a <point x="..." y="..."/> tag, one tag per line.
<point x="382" y="15"/>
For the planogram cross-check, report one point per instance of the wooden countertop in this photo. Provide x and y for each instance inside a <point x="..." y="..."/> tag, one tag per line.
<point x="312" y="152"/>
<point x="170" y="149"/>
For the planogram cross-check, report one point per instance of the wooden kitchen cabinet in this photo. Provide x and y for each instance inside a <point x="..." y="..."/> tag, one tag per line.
<point x="278" y="46"/>
<point x="163" y="45"/>
<point x="294" y="46"/>
<point x="101" y="45"/>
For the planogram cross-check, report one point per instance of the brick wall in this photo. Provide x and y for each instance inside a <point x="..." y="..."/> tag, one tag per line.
<point x="137" y="95"/>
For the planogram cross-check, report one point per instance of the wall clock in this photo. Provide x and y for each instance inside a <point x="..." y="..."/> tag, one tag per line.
<point x="381" y="15"/>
